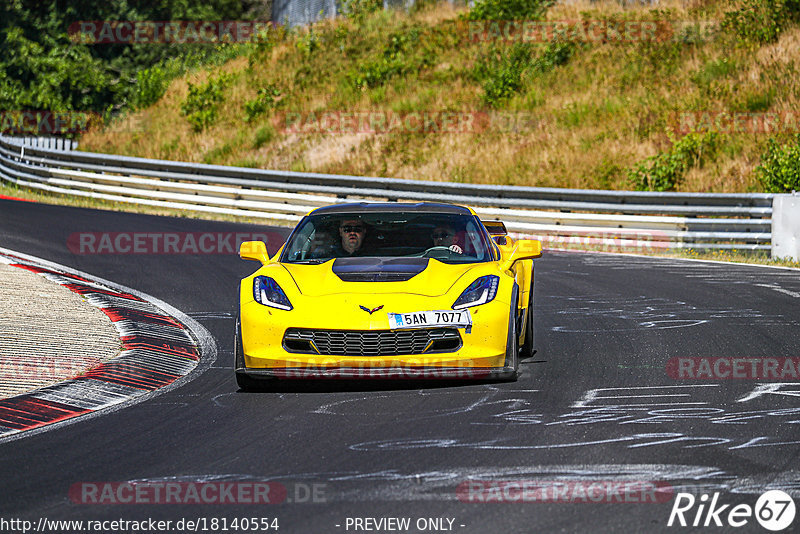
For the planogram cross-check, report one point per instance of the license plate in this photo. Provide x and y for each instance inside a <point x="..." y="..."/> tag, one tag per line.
<point x="426" y="319"/>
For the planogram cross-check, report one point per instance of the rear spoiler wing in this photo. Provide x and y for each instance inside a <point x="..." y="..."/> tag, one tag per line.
<point x="497" y="231"/>
<point x="495" y="228"/>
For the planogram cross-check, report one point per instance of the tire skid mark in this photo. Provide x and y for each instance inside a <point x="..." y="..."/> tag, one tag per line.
<point x="157" y="350"/>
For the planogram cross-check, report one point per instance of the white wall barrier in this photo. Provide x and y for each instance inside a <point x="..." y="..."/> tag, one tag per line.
<point x="786" y="226"/>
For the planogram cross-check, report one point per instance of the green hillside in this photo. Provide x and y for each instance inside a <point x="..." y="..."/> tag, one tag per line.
<point x="616" y="98"/>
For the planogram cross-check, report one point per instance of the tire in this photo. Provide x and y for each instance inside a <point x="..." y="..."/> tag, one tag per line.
<point x="512" y="345"/>
<point x="245" y="382"/>
<point x="527" y="349"/>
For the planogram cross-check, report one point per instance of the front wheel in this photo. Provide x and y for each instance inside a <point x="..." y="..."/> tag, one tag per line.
<point x="244" y="382"/>
<point x="527" y="345"/>
<point x="512" y="345"/>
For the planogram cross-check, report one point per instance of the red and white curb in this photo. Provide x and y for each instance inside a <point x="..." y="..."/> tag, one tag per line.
<point x="160" y="346"/>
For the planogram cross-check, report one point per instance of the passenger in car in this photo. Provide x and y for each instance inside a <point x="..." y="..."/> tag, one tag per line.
<point x="444" y="235"/>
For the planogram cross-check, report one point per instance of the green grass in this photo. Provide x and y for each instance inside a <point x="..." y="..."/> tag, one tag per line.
<point x="741" y="256"/>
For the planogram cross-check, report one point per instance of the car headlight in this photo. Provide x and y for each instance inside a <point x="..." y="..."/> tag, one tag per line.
<point x="266" y="291"/>
<point x="481" y="291"/>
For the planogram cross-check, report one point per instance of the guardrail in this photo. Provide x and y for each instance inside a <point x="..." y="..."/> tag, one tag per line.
<point x="606" y="219"/>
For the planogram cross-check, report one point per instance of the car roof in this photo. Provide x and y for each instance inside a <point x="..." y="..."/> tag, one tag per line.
<point x="392" y="207"/>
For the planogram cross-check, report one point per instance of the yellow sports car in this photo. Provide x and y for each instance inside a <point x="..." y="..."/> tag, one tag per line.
<point x="387" y="290"/>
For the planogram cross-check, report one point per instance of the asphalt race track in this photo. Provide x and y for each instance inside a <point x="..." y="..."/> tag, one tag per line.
<point x="600" y="401"/>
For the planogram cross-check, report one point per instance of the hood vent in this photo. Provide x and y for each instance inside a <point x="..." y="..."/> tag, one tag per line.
<point x="369" y="269"/>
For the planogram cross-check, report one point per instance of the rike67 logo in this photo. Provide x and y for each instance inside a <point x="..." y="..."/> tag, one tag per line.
<point x="774" y="510"/>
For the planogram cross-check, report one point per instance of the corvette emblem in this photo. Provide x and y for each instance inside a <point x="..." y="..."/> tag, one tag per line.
<point x="372" y="310"/>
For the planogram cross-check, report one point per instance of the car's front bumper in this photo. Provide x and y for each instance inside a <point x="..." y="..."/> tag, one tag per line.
<point x="482" y="348"/>
<point x="380" y="373"/>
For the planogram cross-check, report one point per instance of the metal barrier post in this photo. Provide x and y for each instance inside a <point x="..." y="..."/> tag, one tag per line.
<point x="786" y="226"/>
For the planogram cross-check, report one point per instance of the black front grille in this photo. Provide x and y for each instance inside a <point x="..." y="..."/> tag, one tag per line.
<point x="371" y="342"/>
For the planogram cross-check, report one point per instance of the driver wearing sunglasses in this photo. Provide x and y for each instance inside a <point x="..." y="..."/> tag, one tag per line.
<point x="352" y="233"/>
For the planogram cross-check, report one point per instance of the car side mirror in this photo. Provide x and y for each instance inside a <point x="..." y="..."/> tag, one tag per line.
<point x="524" y="249"/>
<point x="254" y="250"/>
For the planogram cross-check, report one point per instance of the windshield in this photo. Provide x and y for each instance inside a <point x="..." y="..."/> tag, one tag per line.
<point x="450" y="238"/>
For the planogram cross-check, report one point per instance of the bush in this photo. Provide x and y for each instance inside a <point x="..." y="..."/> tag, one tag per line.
<point x="509" y="9"/>
<point x="665" y="171"/>
<point x="761" y="21"/>
<point x="556" y="54"/>
<point x="606" y="173"/>
<point x="358" y="10"/>
<point x="202" y="103"/>
<point x="264" y="135"/>
<point x="151" y="84"/>
<point x="401" y="54"/>
<point x="56" y="77"/>
<point x="713" y="71"/>
<point x="502" y="76"/>
<point x="218" y="154"/>
<point x="779" y="171"/>
<point x="265" y="44"/>
<point x="308" y="42"/>
<point x="268" y="97"/>
<point x="375" y="73"/>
